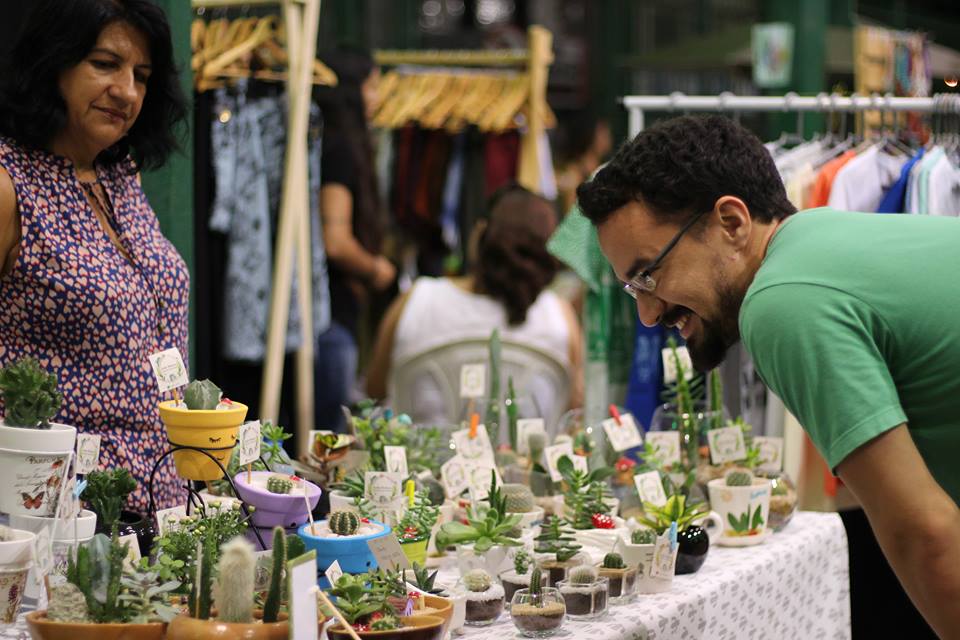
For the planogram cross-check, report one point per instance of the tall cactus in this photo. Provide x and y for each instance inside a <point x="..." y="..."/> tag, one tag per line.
<point x="492" y="418"/>
<point x="536" y="588"/>
<point x="271" y="607"/>
<point x="512" y="413"/>
<point x="200" y="603"/>
<point x="236" y="573"/>
<point x="716" y="400"/>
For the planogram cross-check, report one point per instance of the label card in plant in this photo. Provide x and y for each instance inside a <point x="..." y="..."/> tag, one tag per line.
<point x="302" y="596"/>
<point x="667" y="444"/>
<point x="396" y="459"/>
<point x="384" y="491"/>
<point x="479" y="479"/>
<point x="473" y="380"/>
<point x="43" y="552"/>
<point x="250" y="442"/>
<point x="88" y="453"/>
<point x="133" y="549"/>
<point x="771" y="453"/>
<point x="453" y="475"/>
<point x="726" y="445"/>
<point x="169" y="370"/>
<point x="670" y="367"/>
<point x="526" y="426"/>
<point x="664" y="557"/>
<point x="650" y="488"/>
<point x="622" y="436"/>
<point x="389" y="554"/>
<point x="333" y="572"/>
<point x="552" y="454"/>
<point x="477" y="450"/>
<point x="169" y="519"/>
<point x="580" y="463"/>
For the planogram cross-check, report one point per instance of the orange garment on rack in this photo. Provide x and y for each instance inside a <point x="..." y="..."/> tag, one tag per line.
<point x="820" y="193"/>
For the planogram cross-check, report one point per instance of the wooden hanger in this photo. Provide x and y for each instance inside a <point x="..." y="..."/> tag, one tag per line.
<point x="260" y="34"/>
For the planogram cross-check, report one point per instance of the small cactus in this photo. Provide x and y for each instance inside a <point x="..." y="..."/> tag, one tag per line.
<point x="536" y="442"/>
<point x="582" y="576"/>
<point x="271" y="606"/>
<point x="236" y="573"/>
<point x="779" y="489"/>
<point x="521" y="562"/>
<point x="477" y="580"/>
<point x="279" y="484"/>
<point x="519" y="498"/>
<point x="613" y="561"/>
<point x="536" y="587"/>
<point x="643" y="536"/>
<point x="343" y="523"/>
<point x="201" y="394"/>
<point x="67" y="604"/>
<point x="739" y="479"/>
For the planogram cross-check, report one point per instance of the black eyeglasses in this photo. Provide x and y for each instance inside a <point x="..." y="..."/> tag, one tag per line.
<point x="643" y="282"/>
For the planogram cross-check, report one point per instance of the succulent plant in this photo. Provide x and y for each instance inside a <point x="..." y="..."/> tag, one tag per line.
<point x="201" y="395"/>
<point x="643" y="536"/>
<point x="279" y="484"/>
<point x="613" y="561"/>
<point x="536" y="442"/>
<point x="519" y="498"/>
<point x="107" y="492"/>
<point x="557" y="537"/>
<point x="67" y="604"/>
<point x="582" y="575"/>
<point x="343" y="523"/>
<point x="521" y="562"/>
<point x="424" y="580"/>
<point x="477" y="580"/>
<point x="30" y="394"/>
<point x="739" y="479"/>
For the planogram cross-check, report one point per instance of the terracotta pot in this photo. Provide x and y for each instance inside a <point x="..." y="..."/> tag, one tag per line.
<point x="202" y="429"/>
<point x="186" y="628"/>
<point x="43" y="629"/>
<point x="416" y="628"/>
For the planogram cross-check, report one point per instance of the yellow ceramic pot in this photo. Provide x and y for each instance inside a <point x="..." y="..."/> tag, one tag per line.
<point x="213" y="431"/>
<point x="416" y="551"/>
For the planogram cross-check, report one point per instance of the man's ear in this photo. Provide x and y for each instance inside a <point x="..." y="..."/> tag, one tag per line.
<point x="733" y="214"/>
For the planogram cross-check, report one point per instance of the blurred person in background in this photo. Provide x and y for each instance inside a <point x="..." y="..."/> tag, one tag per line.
<point x="583" y="142"/>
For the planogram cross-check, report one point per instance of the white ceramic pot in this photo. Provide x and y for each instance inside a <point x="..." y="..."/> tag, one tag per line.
<point x="599" y="542"/>
<point x="32" y="466"/>
<point x="63" y="532"/>
<point x="743" y="511"/>
<point x="444" y="516"/>
<point x="341" y="502"/>
<point x="17" y="552"/>
<point x="495" y="561"/>
<point x="531" y="518"/>
<point x="641" y="557"/>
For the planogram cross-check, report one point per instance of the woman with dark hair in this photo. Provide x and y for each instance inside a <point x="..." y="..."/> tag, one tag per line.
<point x="90" y="286"/>
<point x="506" y="289"/>
<point x="352" y="225"/>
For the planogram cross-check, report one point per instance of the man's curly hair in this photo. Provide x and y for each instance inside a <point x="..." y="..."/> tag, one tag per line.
<point x="680" y="167"/>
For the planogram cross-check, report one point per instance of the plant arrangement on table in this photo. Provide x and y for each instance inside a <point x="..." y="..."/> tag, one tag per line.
<point x="415" y="527"/>
<point x="537" y="610"/>
<point x="343" y="536"/>
<point x="33" y="450"/>
<point x="584" y="592"/>
<point x="693" y="540"/>
<point x="588" y="500"/>
<point x="623" y="579"/>
<point x="408" y="602"/>
<point x="363" y="602"/>
<point x="485" y="598"/>
<point x="271" y="452"/>
<point x="377" y="428"/>
<point x="557" y="541"/>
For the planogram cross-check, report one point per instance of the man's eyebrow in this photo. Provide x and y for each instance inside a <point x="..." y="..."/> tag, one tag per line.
<point x="635" y="268"/>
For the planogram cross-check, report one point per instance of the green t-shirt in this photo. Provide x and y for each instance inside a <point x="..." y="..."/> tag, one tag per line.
<point x="853" y="320"/>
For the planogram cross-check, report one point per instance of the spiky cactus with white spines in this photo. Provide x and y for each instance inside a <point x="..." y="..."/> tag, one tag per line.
<point x="477" y="580"/>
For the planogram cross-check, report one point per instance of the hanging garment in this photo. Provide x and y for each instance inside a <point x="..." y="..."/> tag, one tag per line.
<point x="646" y="374"/>
<point x="90" y="314"/>
<point x="501" y="157"/>
<point x="820" y="192"/>
<point x="893" y="199"/>
<point x="944" y="188"/>
<point x="861" y="183"/>
<point x="452" y="187"/>
<point x="548" y="179"/>
<point x="911" y="200"/>
<point x="923" y="182"/>
<point x="799" y="183"/>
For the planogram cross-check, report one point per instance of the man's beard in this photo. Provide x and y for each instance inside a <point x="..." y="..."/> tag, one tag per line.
<point x="709" y="347"/>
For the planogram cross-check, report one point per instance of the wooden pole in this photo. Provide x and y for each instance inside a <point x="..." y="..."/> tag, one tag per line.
<point x="540" y="55"/>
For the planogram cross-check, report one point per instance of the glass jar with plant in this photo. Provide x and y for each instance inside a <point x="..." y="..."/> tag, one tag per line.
<point x="622" y="578"/>
<point x="585" y="592"/>
<point x="537" y="610"/>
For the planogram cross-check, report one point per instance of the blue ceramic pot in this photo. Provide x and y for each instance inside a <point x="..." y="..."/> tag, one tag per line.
<point x="352" y="552"/>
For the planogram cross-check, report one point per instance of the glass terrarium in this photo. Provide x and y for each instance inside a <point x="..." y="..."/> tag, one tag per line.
<point x="538" y="615"/>
<point x="783" y="498"/>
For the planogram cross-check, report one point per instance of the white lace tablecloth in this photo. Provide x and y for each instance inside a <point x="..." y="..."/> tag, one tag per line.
<point x="795" y="585"/>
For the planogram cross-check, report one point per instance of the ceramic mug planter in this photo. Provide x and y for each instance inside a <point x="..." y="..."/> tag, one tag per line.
<point x="214" y="431"/>
<point x="351" y="551"/>
<point x="744" y="511"/>
<point x="540" y="616"/>
<point x="183" y="627"/>
<point x="43" y="629"/>
<point x="32" y="467"/>
<point x="285" y="510"/>
<point x="415" y="628"/>
<point x="340" y="501"/>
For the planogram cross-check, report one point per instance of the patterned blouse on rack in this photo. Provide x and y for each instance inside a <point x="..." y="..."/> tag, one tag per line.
<point x="91" y="315"/>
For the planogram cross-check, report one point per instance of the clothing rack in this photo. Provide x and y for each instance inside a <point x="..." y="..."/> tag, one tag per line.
<point x="536" y="58"/>
<point x="301" y="20"/>
<point x="791" y="102"/>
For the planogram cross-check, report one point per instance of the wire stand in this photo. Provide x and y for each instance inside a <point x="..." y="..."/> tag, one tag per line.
<point x="193" y="496"/>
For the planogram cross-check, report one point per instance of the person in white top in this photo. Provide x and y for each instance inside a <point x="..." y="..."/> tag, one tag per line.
<point x="505" y="288"/>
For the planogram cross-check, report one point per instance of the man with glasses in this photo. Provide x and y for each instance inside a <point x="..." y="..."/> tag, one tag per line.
<point x="851" y="319"/>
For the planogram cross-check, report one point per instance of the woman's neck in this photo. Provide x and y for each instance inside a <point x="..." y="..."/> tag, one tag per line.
<point x="81" y="155"/>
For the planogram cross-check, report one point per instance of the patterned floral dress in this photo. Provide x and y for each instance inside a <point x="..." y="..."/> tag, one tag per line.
<point x="91" y="315"/>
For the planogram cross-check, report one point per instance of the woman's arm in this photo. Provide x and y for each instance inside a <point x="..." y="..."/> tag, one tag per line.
<point x="342" y="247"/>
<point x="576" y="354"/>
<point x="9" y="224"/>
<point x="380" y="364"/>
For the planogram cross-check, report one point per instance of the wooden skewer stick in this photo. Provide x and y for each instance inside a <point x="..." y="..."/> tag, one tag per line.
<point x="343" y="620"/>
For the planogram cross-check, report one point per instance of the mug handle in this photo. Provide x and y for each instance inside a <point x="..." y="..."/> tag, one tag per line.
<point x="712" y="523"/>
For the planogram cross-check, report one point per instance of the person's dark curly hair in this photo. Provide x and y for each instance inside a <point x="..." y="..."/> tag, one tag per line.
<point x="680" y="167"/>
<point x="59" y="34"/>
<point x="513" y="265"/>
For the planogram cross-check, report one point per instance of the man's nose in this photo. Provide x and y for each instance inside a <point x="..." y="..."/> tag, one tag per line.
<point x="650" y="310"/>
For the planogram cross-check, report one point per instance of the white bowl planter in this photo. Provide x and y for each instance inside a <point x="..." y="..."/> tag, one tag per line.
<point x="341" y="502"/>
<point x="598" y="542"/>
<point x="63" y="531"/>
<point x="17" y="553"/>
<point x="32" y="468"/>
<point x="530" y="518"/>
<point x="494" y="561"/>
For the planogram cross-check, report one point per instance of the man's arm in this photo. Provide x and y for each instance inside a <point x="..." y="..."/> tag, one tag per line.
<point x="916" y="523"/>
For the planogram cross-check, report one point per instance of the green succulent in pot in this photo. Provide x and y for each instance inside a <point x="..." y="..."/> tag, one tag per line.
<point x="30" y="395"/>
<point x="485" y="528"/>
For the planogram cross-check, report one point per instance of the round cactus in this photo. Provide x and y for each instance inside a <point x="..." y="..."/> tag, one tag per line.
<point x="477" y="580"/>
<point x="643" y="536"/>
<point x="613" y="561"/>
<point x="343" y="523"/>
<point x="201" y="395"/>
<point x="739" y="479"/>
<point x="519" y="498"/>
<point x="279" y="484"/>
<point x="67" y="604"/>
<point x="582" y="575"/>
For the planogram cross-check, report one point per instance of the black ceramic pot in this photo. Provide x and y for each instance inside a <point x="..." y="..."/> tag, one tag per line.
<point x="694" y="545"/>
<point x="131" y="522"/>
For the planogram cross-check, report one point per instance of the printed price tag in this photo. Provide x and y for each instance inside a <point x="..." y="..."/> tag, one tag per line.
<point x="396" y="458"/>
<point x="169" y="370"/>
<point x="169" y="519"/>
<point x="667" y="444"/>
<point x="384" y="492"/>
<point x="650" y="488"/>
<point x="475" y="450"/>
<point x="664" y="557"/>
<point x="670" y="366"/>
<point x="389" y="554"/>
<point x="552" y="454"/>
<point x="88" y="453"/>
<point x="622" y="436"/>
<point x="526" y="426"/>
<point x="250" y="442"/>
<point x="133" y="549"/>
<point x="473" y="380"/>
<point x="771" y="453"/>
<point x="580" y="463"/>
<point x="453" y="475"/>
<point x="726" y="445"/>
<point x="333" y="572"/>
<point x="302" y="595"/>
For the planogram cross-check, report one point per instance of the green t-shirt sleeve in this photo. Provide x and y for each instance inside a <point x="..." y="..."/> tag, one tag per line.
<point x="821" y="351"/>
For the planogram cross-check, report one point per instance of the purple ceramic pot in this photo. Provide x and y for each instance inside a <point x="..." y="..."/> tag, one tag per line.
<point x="273" y="509"/>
